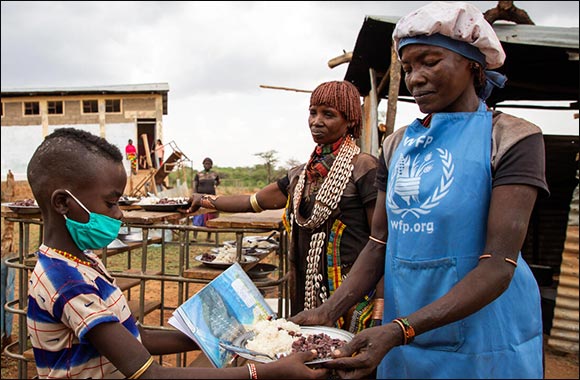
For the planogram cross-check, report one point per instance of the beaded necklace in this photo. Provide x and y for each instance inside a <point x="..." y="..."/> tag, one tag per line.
<point x="326" y="201"/>
<point x="74" y="258"/>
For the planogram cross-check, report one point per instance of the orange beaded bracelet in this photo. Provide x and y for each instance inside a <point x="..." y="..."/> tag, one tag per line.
<point x="408" y="330"/>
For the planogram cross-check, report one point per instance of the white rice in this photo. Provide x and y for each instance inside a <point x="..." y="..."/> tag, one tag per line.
<point x="272" y="336"/>
<point x="226" y="255"/>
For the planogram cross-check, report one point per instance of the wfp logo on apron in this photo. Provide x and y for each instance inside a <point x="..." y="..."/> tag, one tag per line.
<point x="405" y="196"/>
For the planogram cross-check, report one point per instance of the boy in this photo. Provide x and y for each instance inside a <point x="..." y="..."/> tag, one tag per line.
<point x="79" y="322"/>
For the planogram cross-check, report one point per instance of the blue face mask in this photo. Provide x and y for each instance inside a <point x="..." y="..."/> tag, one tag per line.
<point x="97" y="233"/>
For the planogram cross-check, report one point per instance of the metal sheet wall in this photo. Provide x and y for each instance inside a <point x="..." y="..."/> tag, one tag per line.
<point x="565" y="325"/>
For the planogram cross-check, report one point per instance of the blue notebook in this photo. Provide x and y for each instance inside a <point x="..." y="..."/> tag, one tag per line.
<point x="220" y="311"/>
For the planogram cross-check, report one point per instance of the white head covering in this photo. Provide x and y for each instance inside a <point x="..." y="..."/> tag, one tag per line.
<point x="458" y="21"/>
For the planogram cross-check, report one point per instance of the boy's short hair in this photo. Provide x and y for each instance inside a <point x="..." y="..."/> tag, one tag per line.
<point x="67" y="158"/>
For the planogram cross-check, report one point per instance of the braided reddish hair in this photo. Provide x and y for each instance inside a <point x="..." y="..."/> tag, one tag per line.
<point x="344" y="97"/>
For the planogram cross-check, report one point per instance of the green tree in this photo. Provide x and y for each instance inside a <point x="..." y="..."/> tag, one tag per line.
<point x="270" y="161"/>
<point x="292" y="163"/>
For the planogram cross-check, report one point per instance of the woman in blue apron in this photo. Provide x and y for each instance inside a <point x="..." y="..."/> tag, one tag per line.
<point x="458" y="188"/>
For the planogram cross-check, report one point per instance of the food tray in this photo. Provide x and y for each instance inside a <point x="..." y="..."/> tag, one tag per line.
<point x="261" y="270"/>
<point x="22" y="209"/>
<point x="306" y="330"/>
<point x="128" y="201"/>
<point x="264" y="242"/>
<point x="246" y="260"/>
<point x="162" y="207"/>
<point x="247" y="251"/>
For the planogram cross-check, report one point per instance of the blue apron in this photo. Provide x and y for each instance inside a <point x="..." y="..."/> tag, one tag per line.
<point x="438" y="196"/>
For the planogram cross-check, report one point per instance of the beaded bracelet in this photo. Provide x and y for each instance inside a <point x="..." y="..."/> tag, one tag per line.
<point x="253" y="372"/>
<point x="142" y="370"/>
<point x="255" y="205"/>
<point x="408" y="330"/>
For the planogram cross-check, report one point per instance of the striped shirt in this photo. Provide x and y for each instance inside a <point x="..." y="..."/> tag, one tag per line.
<point x="65" y="300"/>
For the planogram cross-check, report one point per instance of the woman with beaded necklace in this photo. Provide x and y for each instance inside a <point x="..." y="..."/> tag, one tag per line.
<point x="328" y="204"/>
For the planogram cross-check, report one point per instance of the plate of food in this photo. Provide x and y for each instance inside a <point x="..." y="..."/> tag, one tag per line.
<point x="25" y="206"/>
<point x="162" y="204"/>
<point x="279" y="337"/>
<point x="125" y="200"/>
<point x="256" y="242"/>
<point x="245" y="251"/>
<point x="221" y="262"/>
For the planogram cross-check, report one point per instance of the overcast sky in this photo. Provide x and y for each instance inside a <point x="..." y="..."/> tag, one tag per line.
<point x="214" y="56"/>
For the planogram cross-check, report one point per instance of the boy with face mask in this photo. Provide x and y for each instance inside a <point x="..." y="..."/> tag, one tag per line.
<point x="79" y="322"/>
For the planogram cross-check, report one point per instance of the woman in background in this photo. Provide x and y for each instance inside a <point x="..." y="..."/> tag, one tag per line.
<point x="328" y="203"/>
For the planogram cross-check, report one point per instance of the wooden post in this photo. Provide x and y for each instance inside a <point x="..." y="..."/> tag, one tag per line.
<point x="369" y="136"/>
<point x="394" y="84"/>
<point x="149" y="162"/>
<point x="8" y="231"/>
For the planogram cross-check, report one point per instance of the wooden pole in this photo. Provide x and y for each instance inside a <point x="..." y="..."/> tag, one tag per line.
<point x="149" y="162"/>
<point x="8" y="230"/>
<point x="336" y="61"/>
<point x="284" y="88"/>
<point x="394" y="83"/>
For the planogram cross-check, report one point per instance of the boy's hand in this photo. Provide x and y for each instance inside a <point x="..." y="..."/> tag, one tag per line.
<point x="293" y="367"/>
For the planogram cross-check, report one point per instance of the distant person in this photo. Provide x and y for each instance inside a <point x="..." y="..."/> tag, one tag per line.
<point x="79" y="321"/>
<point x="143" y="161"/>
<point x="328" y="200"/>
<point x="131" y="155"/>
<point x="159" y="152"/>
<point x="205" y="182"/>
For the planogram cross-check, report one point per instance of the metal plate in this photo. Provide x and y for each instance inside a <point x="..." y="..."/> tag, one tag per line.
<point x="306" y="330"/>
<point x="221" y="265"/>
<point x="262" y="270"/>
<point x="116" y="244"/>
<point x="22" y="209"/>
<point x="247" y="251"/>
<point x="264" y="243"/>
<point x="128" y="201"/>
<point x="162" y="207"/>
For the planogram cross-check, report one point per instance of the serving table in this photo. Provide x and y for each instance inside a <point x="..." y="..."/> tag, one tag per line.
<point x="242" y="224"/>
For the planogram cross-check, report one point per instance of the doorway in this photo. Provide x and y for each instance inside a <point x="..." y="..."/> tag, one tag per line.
<point x="147" y="127"/>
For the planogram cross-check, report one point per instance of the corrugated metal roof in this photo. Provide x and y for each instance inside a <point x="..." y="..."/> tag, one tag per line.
<point x="522" y="34"/>
<point x="124" y="88"/>
<point x="541" y="64"/>
<point x="538" y="35"/>
<point x="151" y="88"/>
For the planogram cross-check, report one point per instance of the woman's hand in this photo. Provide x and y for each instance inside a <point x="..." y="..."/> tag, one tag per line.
<point x="358" y="358"/>
<point x="194" y="203"/>
<point x="312" y="317"/>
